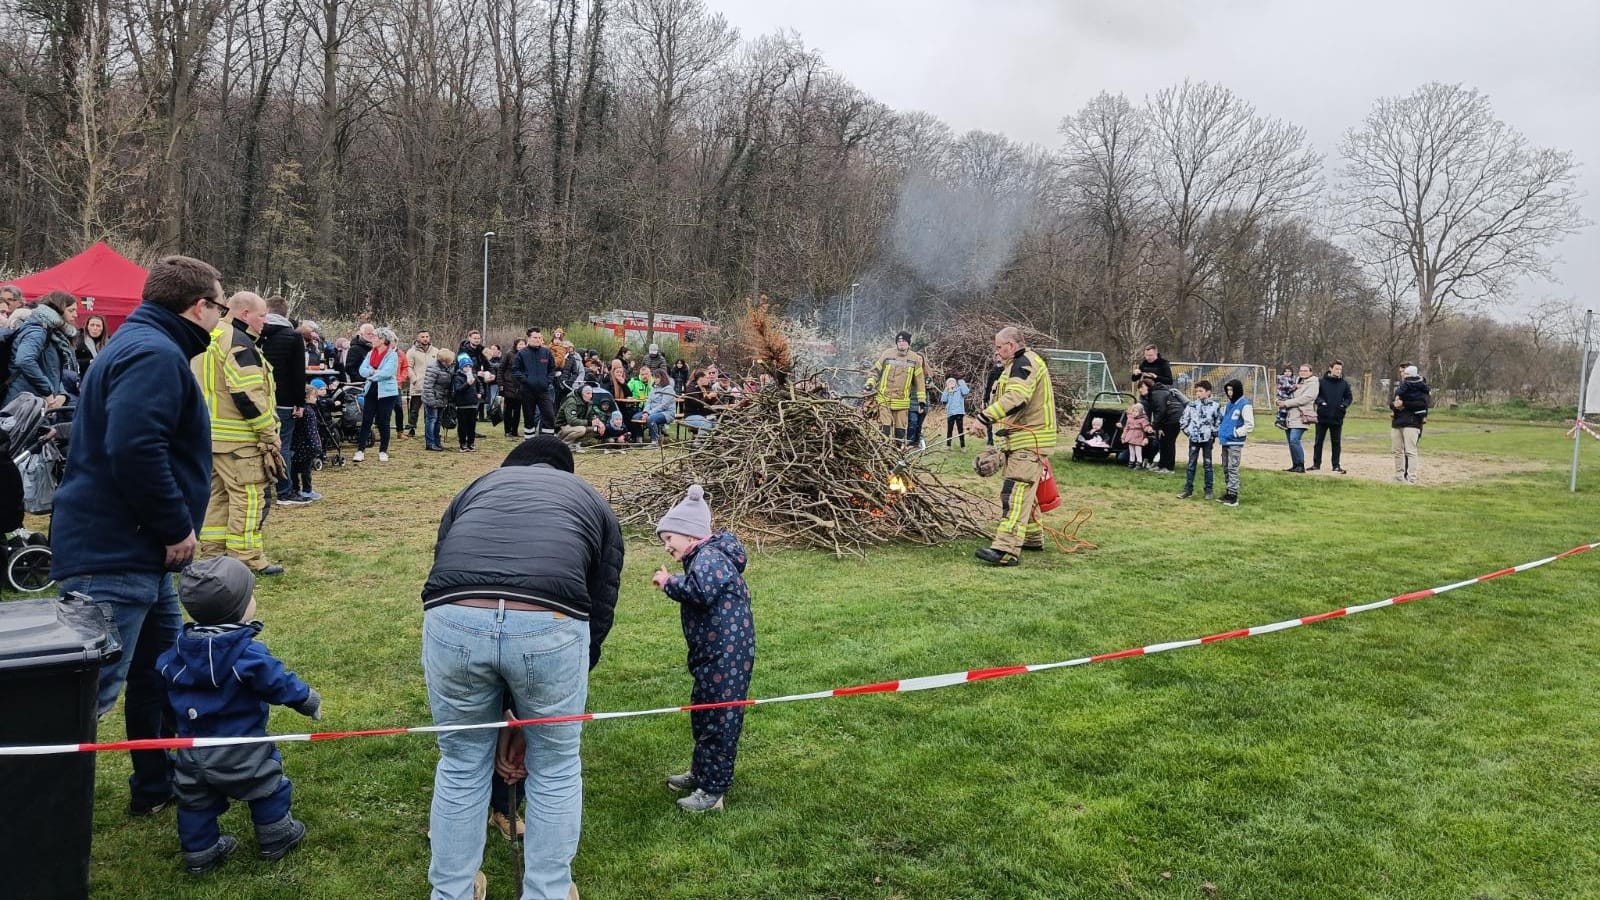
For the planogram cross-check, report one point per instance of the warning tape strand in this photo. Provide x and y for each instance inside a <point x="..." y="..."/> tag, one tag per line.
<point x="900" y="686"/>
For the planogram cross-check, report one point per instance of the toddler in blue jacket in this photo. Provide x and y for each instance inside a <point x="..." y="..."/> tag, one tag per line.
<point x="220" y="681"/>
<point x="714" y="604"/>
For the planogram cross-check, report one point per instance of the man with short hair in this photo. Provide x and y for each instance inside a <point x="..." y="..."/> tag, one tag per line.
<point x="1152" y="363"/>
<point x="239" y="393"/>
<point x="356" y="351"/>
<point x="10" y="302"/>
<point x="134" y="495"/>
<point x="1022" y="410"/>
<point x="897" y="377"/>
<point x="500" y="621"/>
<point x="285" y="353"/>
<point x="419" y="355"/>
<point x="1333" y="398"/>
<point x="535" y="370"/>
<point x="1410" y="405"/>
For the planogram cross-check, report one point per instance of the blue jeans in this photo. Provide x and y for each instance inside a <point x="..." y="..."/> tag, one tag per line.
<point x="1297" y="453"/>
<point x="700" y="423"/>
<point x="286" y="426"/>
<point x="471" y="657"/>
<point x="144" y="606"/>
<point x="1195" y="453"/>
<point x="430" y="427"/>
<point x="658" y="424"/>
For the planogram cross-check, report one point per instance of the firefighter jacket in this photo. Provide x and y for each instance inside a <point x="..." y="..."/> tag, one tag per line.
<point x="238" y="388"/>
<point x="899" y="378"/>
<point x="1022" y="406"/>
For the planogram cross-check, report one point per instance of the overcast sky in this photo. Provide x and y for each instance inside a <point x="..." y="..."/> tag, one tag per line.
<point x="1018" y="66"/>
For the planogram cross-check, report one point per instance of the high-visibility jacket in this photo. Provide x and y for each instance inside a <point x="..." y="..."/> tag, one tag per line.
<point x="899" y="377"/>
<point x="238" y="388"/>
<point x="1022" y="405"/>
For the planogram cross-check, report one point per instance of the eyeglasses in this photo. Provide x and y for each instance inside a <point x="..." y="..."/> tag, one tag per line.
<point x="219" y="307"/>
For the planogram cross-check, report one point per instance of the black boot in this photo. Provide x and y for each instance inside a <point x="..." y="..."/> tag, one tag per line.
<point x="276" y="840"/>
<point x="205" y="860"/>
<point x="997" y="558"/>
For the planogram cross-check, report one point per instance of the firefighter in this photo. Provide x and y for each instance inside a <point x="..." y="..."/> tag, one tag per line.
<point x="898" y="378"/>
<point x="1022" y="411"/>
<point x="246" y="457"/>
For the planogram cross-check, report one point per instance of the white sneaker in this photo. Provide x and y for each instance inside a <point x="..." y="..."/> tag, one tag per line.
<point x="360" y="455"/>
<point x="382" y="456"/>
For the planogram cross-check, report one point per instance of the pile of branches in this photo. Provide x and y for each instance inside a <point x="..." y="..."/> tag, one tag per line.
<point x="792" y="465"/>
<point x="963" y="348"/>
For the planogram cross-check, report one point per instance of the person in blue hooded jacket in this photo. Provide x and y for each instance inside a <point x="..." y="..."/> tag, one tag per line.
<point x="714" y="604"/>
<point x="221" y="682"/>
<point x="42" y="349"/>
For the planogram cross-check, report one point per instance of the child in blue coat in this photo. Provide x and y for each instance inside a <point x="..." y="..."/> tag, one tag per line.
<point x="220" y="681"/>
<point x="714" y="604"/>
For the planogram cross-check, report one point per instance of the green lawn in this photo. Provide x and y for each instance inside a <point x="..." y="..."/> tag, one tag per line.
<point x="1440" y="749"/>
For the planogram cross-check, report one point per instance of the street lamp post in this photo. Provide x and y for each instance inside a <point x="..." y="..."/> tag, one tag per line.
<point x="485" y="325"/>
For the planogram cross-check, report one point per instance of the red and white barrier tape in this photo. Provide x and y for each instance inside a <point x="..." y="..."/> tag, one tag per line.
<point x="904" y="685"/>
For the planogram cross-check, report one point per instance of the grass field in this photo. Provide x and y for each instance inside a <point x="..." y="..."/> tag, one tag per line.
<point x="1441" y="749"/>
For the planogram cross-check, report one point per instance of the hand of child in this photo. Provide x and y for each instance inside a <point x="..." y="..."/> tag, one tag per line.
<point x="661" y="578"/>
<point x="311" y="707"/>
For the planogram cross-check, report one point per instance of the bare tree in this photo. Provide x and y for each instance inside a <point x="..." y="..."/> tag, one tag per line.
<point x="1435" y="181"/>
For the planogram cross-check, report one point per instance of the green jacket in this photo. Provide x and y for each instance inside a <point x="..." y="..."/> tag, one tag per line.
<point x="575" y="411"/>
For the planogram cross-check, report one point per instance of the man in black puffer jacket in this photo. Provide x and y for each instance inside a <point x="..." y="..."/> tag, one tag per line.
<point x="1165" y="407"/>
<point x="1409" y="412"/>
<point x="285" y="351"/>
<point x="506" y="615"/>
<point x="1333" y="398"/>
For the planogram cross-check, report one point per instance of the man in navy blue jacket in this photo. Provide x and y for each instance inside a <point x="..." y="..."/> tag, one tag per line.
<point x="134" y="495"/>
<point x="535" y="370"/>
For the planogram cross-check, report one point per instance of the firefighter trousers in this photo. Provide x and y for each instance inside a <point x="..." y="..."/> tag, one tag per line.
<point x="1019" y="502"/>
<point x="240" y="495"/>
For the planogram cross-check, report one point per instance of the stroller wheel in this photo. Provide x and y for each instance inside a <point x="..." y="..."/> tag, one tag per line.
<point x="316" y="465"/>
<point x="28" y="569"/>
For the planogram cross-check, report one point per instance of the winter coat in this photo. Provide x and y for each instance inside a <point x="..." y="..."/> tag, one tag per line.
<point x="713" y="599"/>
<point x="138" y="471"/>
<point x="437" y="392"/>
<point x="1136" y="426"/>
<point x="955" y="400"/>
<point x="662" y="399"/>
<point x="657" y="362"/>
<point x="85" y="350"/>
<point x="535" y="368"/>
<point x="1333" y="398"/>
<point x="1238" y="420"/>
<point x="897" y="378"/>
<point x="1200" y="421"/>
<point x="680" y="376"/>
<point x="505" y="376"/>
<point x="570" y="372"/>
<point x="354" y="357"/>
<point x="1165" y="406"/>
<point x="574" y="566"/>
<point x="221" y="681"/>
<point x="285" y="351"/>
<point x="419" y="359"/>
<point x="464" y="390"/>
<point x="1161" y="369"/>
<point x="382" y="377"/>
<point x="480" y="362"/>
<point x="1415" y="400"/>
<point x="1302" y="406"/>
<point x="39" y="351"/>
<point x="575" y="413"/>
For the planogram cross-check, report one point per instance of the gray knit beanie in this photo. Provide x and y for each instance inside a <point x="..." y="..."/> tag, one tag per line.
<point x="216" y="591"/>
<point x="690" y="518"/>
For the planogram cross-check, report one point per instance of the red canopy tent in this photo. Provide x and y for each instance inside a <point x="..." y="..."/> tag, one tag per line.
<point x="115" y="282"/>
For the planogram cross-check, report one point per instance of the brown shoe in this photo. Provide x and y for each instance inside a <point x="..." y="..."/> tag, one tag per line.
<point x="498" y="819"/>
<point x="480" y="886"/>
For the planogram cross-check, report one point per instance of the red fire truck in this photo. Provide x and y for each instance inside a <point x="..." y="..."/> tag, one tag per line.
<point x="633" y="325"/>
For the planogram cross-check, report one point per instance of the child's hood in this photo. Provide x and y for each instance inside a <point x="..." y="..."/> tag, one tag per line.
<point x="207" y="652"/>
<point x="725" y="543"/>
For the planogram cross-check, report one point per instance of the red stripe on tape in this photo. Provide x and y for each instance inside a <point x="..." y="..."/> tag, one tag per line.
<point x="879" y="688"/>
<point x="144" y="744"/>
<point x="1414" y="595"/>
<point x="1576" y="550"/>
<point x="1322" y="617"/>
<point x="726" y="704"/>
<point x="1226" y="635"/>
<point x="375" y="732"/>
<point x="1500" y="574"/>
<point x="1001" y="672"/>
<point x="1136" y="651"/>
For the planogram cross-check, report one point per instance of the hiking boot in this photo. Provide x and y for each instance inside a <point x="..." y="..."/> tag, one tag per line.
<point x="997" y="558"/>
<point x="1211" y="495"/>
<point x="204" y="861"/>
<point x="270" y="570"/>
<point x="1230" y="499"/>
<point x="276" y="840"/>
<point x="498" y="819"/>
<point x="700" y="801"/>
<point x="1033" y="548"/>
<point x="1186" y="494"/>
<point x="683" y="783"/>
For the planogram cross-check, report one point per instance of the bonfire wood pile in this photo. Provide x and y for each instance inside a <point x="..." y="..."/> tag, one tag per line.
<point x="791" y="464"/>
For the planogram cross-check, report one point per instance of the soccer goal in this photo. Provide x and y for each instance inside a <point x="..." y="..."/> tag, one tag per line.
<point x="1259" y="385"/>
<point x="1084" y="372"/>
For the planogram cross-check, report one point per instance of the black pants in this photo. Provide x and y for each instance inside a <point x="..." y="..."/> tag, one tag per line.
<point x="955" y="425"/>
<point x="538" y="409"/>
<point x="511" y="408"/>
<point x="1169" y="449"/>
<point x="467" y="425"/>
<point x="376" y="410"/>
<point x="414" y="414"/>
<point x="399" y="414"/>
<point x="1330" y="430"/>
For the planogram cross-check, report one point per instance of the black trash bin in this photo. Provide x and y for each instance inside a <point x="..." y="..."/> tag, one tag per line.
<point x="50" y="656"/>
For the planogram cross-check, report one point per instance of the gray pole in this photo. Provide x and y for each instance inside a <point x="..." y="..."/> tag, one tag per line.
<point x="1583" y="395"/>
<point x="485" y="326"/>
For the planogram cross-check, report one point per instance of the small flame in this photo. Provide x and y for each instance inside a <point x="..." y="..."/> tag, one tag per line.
<point x="898" y="484"/>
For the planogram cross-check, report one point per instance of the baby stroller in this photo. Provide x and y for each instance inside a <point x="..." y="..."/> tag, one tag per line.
<point x="34" y="440"/>
<point x="327" y="435"/>
<point x="347" y="407"/>
<point x="1099" y="437"/>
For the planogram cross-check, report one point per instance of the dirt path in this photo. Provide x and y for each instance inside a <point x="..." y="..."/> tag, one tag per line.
<point x="1370" y="459"/>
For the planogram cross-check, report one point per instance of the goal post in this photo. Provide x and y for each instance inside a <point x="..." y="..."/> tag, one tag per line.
<point x="1258" y="382"/>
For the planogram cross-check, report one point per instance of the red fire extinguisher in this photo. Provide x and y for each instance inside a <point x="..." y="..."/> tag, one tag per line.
<point x="1049" y="497"/>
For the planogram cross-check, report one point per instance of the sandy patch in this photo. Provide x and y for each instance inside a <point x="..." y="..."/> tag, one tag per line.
<point x="1369" y="458"/>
